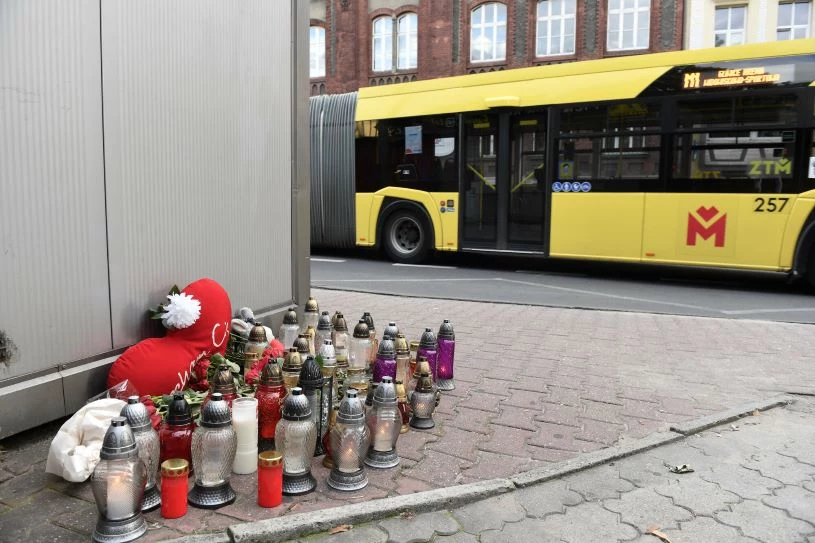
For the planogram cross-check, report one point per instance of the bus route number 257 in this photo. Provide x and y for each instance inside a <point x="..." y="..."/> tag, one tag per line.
<point x="769" y="205"/>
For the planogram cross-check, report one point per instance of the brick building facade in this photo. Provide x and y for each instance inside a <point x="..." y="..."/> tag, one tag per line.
<point x="426" y="39"/>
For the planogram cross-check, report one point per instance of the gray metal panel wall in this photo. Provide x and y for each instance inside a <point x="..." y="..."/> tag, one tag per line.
<point x="197" y="104"/>
<point x="333" y="174"/>
<point x="54" y="305"/>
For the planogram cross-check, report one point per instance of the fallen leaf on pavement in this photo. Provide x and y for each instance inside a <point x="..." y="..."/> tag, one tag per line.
<point x="684" y="468"/>
<point x="656" y="532"/>
<point x="406" y="515"/>
<point x="340" y="528"/>
<point x="756" y="413"/>
<point x="734" y="428"/>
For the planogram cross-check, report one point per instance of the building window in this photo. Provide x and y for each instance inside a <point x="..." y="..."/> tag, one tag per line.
<point x="629" y="23"/>
<point x="407" y="30"/>
<point x="556" y="23"/>
<point x="729" y="25"/>
<point x="316" y="51"/>
<point x="488" y="33"/>
<point x="793" y="21"/>
<point x="383" y="44"/>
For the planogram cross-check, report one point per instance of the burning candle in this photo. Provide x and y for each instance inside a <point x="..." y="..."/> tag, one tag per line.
<point x="118" y="497"/>
<point x="174" y="476"/>
<point x="349" y="460"/>
<point x="384" y="436"/>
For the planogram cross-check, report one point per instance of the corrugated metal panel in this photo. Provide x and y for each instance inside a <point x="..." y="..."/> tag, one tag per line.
<point x="180" y="78"/>
<point x="333" y="174"/>
<point x="54" y="303"/>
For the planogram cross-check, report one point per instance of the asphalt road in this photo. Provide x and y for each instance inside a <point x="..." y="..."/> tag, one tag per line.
<point x="735" y="295"/>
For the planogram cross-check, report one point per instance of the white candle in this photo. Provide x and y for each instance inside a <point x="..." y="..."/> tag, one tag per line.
<point x="245" y="423"/>
<point x="348" y="459"/>
<point x="118" y="496"/>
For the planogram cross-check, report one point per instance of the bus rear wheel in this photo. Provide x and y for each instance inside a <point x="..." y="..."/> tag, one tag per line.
<point x="406" y="237"/>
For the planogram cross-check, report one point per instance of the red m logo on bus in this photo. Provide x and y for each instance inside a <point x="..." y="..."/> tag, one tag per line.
<point x="705" y="223"/>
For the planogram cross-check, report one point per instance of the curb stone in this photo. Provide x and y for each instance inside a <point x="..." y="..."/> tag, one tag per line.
<point x="699" y="425"/>
<point x="303" y="524"/>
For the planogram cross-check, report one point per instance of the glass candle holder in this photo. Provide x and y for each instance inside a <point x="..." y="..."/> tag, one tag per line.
<point x="174" y="481"/>
<point x="245" y="423"/>
<point x="270" y="479"/>
<point x="311" y="381"/>
<point x="175" y="435"/>
<point x="270" y="393"/>
<point x="340" y="339"/>
<point x="255" y="346"/>
<point x="359" y="352"/>
<point x="303" y="346"/>
<point x="350" y="439"/>
<point x="369" y="321"/>
<point x="385" y="364"/>
<point x="323" y="329"/>
<point x="213" y="453"/>
<point x="423" y="404"/>
<point x="402" y="359"/>
<point x="296" y="438"/>
<point x="292" y="363"/>
<point x="147" y="443"/>
<point x="224" y="384"/>
<point x="311" y="314"/>
<point x="428" y="348"/>
<point x="289" y="330"/>
<point x="403" y="405"/>
<point x="385" y="424"/>
<point x="446" y="356"/>
<point x="118" y="484"/>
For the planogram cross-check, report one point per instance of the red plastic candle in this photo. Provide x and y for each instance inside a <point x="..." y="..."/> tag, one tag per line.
<point x="270" y="479"/>
<point x="174" y="475"/>
<point x="270" y="394"/>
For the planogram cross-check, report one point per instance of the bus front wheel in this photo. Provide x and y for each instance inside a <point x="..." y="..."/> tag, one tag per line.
<point x="406" y="237"/>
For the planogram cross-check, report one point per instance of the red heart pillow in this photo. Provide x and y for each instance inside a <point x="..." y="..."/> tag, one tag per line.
<point x="160" y="365"/>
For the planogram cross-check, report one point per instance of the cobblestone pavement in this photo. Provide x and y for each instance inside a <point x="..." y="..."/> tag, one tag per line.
<point x="534" y="385"/>
<point x="753" y="481"/>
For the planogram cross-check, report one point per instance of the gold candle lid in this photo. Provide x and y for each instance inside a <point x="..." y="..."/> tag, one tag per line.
<point x="422" y="367"/>
<point x="175" y="467"/>
<point x="270" y="459"/>
<point x="401" y="345"/>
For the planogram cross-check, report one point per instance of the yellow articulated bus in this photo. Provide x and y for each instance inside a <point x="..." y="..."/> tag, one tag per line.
<point x="697" y="158"/>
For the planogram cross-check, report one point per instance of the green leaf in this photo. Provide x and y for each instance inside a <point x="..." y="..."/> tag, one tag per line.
<point x="234" y="368"/>
<point x="175" y="290"/>
<point x="319" y="360"/>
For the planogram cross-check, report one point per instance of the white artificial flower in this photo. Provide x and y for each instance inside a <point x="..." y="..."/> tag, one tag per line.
<point x="182" y="311"/>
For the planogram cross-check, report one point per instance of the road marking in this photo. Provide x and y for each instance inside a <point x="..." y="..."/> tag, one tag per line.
<point x="748" y="311"/>
<point x="426" y="266"/>
<point x="615" y="296"/>
<point x="337" y="260"/>
<point x="327" y="281"/>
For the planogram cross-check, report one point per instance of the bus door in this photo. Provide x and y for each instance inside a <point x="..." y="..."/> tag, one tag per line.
<point x="503" y="189"/>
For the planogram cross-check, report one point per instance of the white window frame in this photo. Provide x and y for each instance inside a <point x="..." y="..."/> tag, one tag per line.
<point x="316" y="52"/>
<point x="382" y="44"/>
<point x="484" y="19"/>
<point x="729" y="33"/>
<point x="563" y="20"/>
<point x="618" y="12"/>
<point x="792" y="27"/>
<point x="407" y="41"/>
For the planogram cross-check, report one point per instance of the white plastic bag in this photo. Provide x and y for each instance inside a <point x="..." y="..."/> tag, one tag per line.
<point x="74" y="451"/>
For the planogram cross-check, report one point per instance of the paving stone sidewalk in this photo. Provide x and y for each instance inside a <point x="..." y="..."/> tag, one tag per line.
<point x="753" y="481"/>
<point x="534" y="385"/>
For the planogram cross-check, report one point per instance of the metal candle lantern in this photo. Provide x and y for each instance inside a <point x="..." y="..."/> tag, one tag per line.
<point x="339" y="337"/>
<point x="350" y="440"/>
<point x="359" y="351"/>
<point x="391" y="330"/>
<point x="311" y="381"/>
<point x="255" y="346"/>
<point x="402" y="358"/>
<point x="295" y="439"/>
<point x="369" y="321"/>
<point x="224" y="384"/>
<point x="323" y="329"/>
<point x="175" y="436"/>
<point x="385" y="364"/>
<point x="422" y="366"/>
<point x="147" y="443"/>
<point x="303" y="347"/>
<point x="385" y="424"/>
<point x="213" y="452"/>
<point x="311" y="314"/>
<point x="291" y="369"/>
<point x="118" y="483"/>
<point x="289" y="329"/>
<point x="428" y="348"/>
<point x="270" y="393"/>
<point x="446" y="356"/>
<point x="423" y="403"/>
<point x="330" y="370"/>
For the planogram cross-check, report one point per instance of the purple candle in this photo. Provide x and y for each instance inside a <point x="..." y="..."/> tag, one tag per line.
<point x="446" y="356"/>
<point x="385" y="364"/>
<point x="428" y="349"/>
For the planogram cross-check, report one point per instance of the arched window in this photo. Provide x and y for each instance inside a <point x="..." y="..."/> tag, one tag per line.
<point x="407" y="30"/>
<point x="383" y="44"/>
<point x="316" y="51"/>
<point x="488" y="33"/>
<point x="556" y="26"/>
